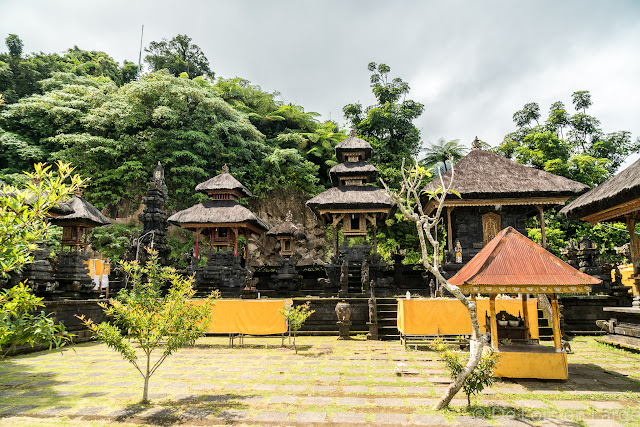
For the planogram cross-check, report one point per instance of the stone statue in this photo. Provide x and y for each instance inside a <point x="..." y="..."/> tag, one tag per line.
<point x="373" y="309"/>
<point x="458" y="251"/>
<point x="344" y="278"/>
<point x="364" y="274"/>
<point x="432" y="288"/>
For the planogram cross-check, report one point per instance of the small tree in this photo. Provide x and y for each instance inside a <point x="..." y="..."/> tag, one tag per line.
<point x="296" y="316"/>
<point x="23" y="225"/>
<point x="152" y="319"/>
<point x="480" y="378"/>
<point x="408" y="200"/>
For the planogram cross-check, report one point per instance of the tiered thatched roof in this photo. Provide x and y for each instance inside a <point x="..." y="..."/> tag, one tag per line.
<point x="352" y="197"/>
<point x="610" y="200"/>
<point x="346" y="169"/>
<point x="224" y="181"/>
<point x="220" y="212"/>
<point x="485" y="175"/>
<point x="513" y="263"/>
<point x="83" y="213"/>
<point x="353" y="144"/>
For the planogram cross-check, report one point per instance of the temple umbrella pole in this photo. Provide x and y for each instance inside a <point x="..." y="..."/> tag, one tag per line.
<point x="235" y="243"/>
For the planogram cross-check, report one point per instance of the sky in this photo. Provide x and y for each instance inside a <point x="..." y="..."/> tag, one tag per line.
<point x="471" y="63"/>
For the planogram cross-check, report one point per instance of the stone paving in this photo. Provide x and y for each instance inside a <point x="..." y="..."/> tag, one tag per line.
<point x="329" y="382"/>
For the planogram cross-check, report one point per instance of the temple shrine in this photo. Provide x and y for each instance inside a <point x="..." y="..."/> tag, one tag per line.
<point x="353" y="207"/>
<point x="218" y="223"/>
<point x="495" y="193"/>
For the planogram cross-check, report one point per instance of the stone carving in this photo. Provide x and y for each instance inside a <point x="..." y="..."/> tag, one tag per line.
<point x="343" y="312"/>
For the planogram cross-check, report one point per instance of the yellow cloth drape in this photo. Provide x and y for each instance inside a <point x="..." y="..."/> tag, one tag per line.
<point x="251" y="317"/>
<point x="450" y="316"/>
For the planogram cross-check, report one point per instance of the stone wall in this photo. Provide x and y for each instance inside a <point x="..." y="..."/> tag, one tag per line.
<point x="581" y="312"/>
<point x="273" y="207"/>
<point x="65" y="312"/>
<point x="323" y="321"/>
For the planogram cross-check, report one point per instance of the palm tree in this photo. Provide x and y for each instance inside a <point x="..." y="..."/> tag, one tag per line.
<point x="442" y="155"/>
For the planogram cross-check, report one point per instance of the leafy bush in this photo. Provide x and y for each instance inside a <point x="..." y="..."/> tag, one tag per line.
<point x="112" y="240"/>
<point x="18" y="326"/>
<point x="296" y="316"/>
<point x="480" y="378"/>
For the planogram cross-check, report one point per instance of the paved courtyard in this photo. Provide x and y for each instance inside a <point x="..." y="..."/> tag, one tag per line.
<point x="329" y="382"/>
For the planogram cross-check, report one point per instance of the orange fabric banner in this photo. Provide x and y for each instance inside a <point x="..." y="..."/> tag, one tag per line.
<point x="251" y="317"/>
<point x="450" y="316"/>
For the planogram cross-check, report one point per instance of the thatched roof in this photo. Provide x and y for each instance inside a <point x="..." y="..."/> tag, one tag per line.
<point x="84" y="213"/>
<point x="62" y="208"/>
<point x="353" y="144"/>
<point x="224" y="181"/>
<point x="513" y="263"/>
<point x="352" y="197"/>
<point x="360" y="168"/>
<point x="227" y="212"/>
<point x="485" y="175"/>
<point x="622" y="188"/>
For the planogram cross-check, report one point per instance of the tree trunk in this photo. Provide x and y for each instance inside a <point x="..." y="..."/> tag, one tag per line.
<point x="145" y="392"/>
<point x="294" y="342"/>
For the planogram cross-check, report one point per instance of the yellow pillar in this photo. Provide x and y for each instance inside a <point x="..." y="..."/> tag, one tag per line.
<point x="493" y="321"/>
<point x="557" y="335"/>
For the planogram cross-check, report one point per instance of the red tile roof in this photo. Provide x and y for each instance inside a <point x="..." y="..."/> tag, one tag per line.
<point x="512" y="260"/>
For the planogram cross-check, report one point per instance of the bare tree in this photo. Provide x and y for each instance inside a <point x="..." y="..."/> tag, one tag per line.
<point x="408" y="200"/>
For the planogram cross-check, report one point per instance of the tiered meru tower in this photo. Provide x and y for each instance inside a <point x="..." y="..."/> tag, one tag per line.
<point x="353" y="206"/>
<point x="219" y="222"/>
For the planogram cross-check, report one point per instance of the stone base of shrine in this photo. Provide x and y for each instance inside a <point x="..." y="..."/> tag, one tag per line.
<point x="535" y="362"/>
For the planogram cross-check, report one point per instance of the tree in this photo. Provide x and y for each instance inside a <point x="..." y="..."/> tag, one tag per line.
<point x="408" y="200"/>
<point x="15" y="45"/>
<point x="178" y="55"/>
<point x="22" y="227"/>
<point x="296" y="316"/>
<point x="154" y="320"/>
<point x="441" y="156"/>
<point x="573" y="146"/>
<point x="23" y="212"/>
<point x="387" y="125"/>
<point x="20" y="74"/>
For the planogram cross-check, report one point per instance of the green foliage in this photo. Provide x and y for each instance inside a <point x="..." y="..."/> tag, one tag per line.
<point x="480" y="378"/>
<point x="441" y="156"/>
<point x="18" y="326"/>
<point x="560" y="230"/>
<point x="573" y="146"/>
<point x="20" y="74"/>
<point x="178" y="55"/>
<point x="388" y="125"/>
<point x="112" y="240"/>
<point x="22" y="227"/>
<point x="181" y="242"/>
<point x="23" y="212"/>
<point x="154" y="320"/>
<point x="296" y="316"/>
<point x="15" y="45"/>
